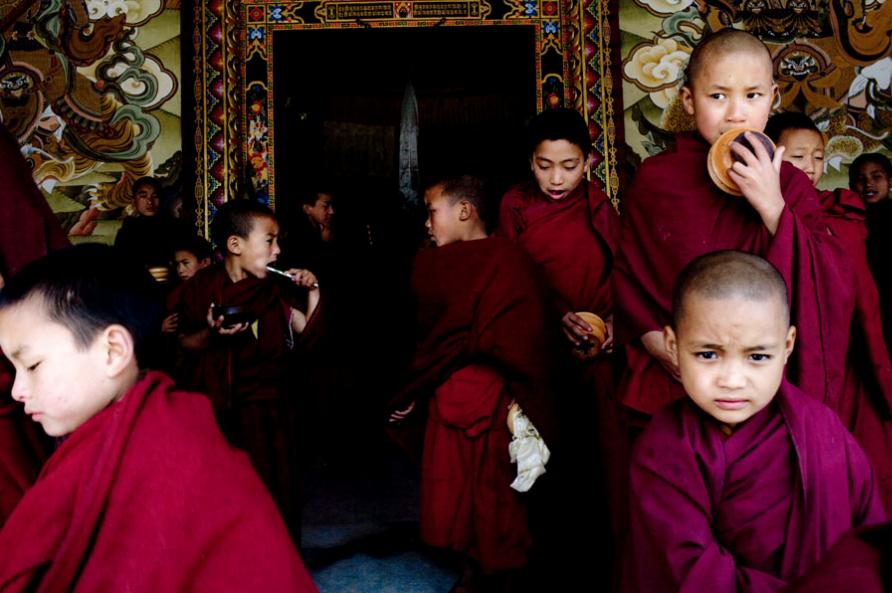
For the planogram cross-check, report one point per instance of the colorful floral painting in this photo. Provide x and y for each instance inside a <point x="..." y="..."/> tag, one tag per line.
<point x="831" y="61"/>
<point x="90" y="89"/>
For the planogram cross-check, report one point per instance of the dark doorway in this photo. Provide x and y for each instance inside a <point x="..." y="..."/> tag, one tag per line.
<point x="338" y="101"/>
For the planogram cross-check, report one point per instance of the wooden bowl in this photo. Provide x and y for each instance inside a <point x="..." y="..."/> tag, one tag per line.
<point x="592" y="347"/>
<point x="161" y="274"/>
<point x="721" y="157"/>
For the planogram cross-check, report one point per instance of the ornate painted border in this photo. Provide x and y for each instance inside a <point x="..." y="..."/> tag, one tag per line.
<point x="234" y="74"/>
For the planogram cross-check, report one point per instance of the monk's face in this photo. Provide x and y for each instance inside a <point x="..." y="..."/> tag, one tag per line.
<point x="322" y="210"/>
<point x="730" y="90"/>
<point x="872" y="183"/>
<point x="805" y="151"/>
<point x="259" y="249"/>
<point x="187" y="264"/>
<point x="61" y="382"/>
<point x="731" y="353"/>
<point x="444" y="222"/>
<point x="146" y="200"/>
<point x="558" y="166"/>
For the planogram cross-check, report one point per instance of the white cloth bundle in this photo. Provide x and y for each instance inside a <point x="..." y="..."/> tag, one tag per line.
<point x="527" y="449"/>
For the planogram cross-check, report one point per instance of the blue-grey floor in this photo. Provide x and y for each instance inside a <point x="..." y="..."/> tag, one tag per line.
<point x="360" y="527"/>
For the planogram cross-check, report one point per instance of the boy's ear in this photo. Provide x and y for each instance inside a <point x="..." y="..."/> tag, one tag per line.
<point x="789" y="342"/>
<point x="670" y="341"/>
<point x="464" y="210"/>
<point x="204" y="262"/>
<point x="234" y="244"/>
<point x="687" y="99"/>
<point x="118" y="348"/>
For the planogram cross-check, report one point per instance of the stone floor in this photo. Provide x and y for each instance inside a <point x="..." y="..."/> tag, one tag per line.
<point x="360" y="527"/>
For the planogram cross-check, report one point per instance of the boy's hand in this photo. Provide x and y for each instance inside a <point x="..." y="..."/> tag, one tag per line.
<point x="607" y="346"/>
<point x="169" y="325"/>
<point x="654" y="344"/>
<point x="576" y="329"/>
<point x="400" y="415"/>
<point x="758" y="178"/>
<point x="579" y="332"/>
<point x="304" y="278"/>
<point x="216" y="325"/>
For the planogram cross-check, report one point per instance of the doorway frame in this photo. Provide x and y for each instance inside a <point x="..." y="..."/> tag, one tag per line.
<point x="574" y="55"/>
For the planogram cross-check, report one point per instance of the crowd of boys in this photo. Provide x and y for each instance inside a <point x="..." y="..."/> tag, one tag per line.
<point x="734" y="433"/>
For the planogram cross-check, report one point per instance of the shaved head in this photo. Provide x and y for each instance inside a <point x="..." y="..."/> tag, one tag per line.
<point x="720" y="44"/>
<point x="728" y="275"/>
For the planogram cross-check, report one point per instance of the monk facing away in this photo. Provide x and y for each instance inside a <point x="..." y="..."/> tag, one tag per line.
<point x="482" y="327"/>
<point x="747" y="482"/>
<point x="143" y="494"/>
<point x="674" y="213"/>
<point x="866" y="404"/>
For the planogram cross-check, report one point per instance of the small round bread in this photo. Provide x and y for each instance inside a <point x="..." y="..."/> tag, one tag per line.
<point x="592" y="347"/>
<point x="721" y="157"/>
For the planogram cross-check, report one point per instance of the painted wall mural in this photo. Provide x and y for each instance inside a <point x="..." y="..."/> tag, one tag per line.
<point x="90" y="89"/>
<point x="831" y="60"/>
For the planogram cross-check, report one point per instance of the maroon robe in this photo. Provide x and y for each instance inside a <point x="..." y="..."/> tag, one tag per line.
<point x="675" y="213"/>
<point x="28" y="230"/>
<point x="482" y="327"/>
<point x="572" y="242"/>
<point x="860" y="561"/>
<point x="22" y="451"/>
<point x="752" y="511"/>
<point x="867" y="401"/>
<point x="147" y="496"/>
<point x="245" y="375"/>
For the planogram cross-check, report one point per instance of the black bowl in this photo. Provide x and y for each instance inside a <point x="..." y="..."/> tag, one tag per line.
<point x="232" y="315"/>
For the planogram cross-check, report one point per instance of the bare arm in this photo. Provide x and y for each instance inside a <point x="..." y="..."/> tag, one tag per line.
<point x="308" y="280"/>
<point x="655" y="345"/>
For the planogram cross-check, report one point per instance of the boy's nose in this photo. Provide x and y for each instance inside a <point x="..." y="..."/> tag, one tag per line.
<point x="736" y="112"/>
<point x="731" y="376"/>
<point x="18" y="388"/>
<point x="556" y="177"/>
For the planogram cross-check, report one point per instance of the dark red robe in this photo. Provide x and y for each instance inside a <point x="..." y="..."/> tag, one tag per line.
<point x="865" y="406"/>
<point x="860" y="561"/>
<point x="752" y="511"/>
<point x="481" y="321"/>
<point x="147" y="496"/>
<point x="28" y="230"/>
<point x="675" y="213"/>
<point x="245" y="375"/>
<point x="572" y="242"/>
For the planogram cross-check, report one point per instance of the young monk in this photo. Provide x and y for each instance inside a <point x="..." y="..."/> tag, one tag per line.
<point x="869" y="176"/>
<point x="482" y="330"/>
<point x="148" y="236"/>
<point x="744" y="484"/>
<point x="190" y="254"/>
<point x="567" y="226"/>
<point x="239" y="359"/>
<point x="143" y="493"/>
<point x="28" y="230"/>
<point x="674" y="212"/>
<point x="866" y="405"/>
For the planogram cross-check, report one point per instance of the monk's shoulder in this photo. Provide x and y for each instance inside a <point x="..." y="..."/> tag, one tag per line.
<point x="666" y="437"/>
<point x="813" y="415"/>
